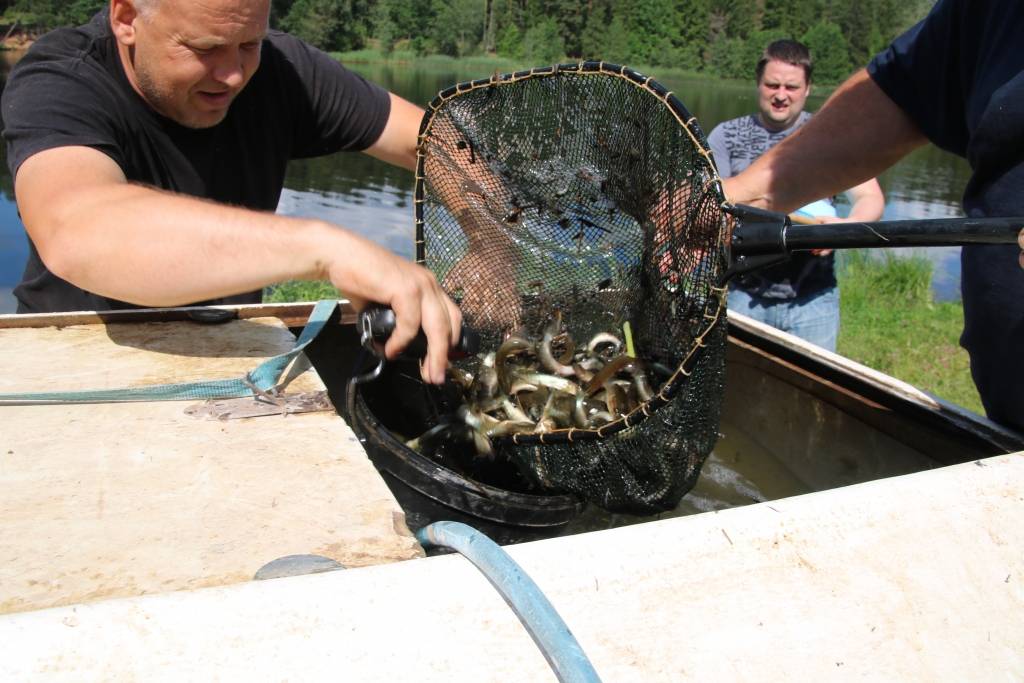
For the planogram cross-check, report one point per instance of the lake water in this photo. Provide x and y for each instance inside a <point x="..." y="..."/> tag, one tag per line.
<point x="375" y="199"/>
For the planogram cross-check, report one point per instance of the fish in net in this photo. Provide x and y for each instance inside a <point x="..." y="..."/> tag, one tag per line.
<point x="580" y="200"/>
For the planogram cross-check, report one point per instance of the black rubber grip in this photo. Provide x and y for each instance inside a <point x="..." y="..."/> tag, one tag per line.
<point x="376" y="323"/>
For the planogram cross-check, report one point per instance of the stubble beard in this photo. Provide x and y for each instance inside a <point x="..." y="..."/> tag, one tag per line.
<point x="161" y="99"/>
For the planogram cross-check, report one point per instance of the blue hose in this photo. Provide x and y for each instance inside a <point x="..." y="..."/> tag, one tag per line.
<point x="549" y="632"/>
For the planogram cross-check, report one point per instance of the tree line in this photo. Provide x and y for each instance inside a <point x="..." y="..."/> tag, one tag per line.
<point x="719" y="37"/>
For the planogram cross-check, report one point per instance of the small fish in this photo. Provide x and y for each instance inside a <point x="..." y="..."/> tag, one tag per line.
<point x="513" y="346"/>
<point x="545" y="353"/>
<point x="640" y="381"/>
<point x="606" y="373"/>
<point x="514" y="412"/>
<point x="551" y="381"/>
<point x="430" y="437"/>
<point x="601" y="341"/>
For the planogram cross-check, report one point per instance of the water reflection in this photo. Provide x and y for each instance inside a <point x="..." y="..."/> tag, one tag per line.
<point x="375" y="199"/>
<point x="13" y="242"/>
<point x="382" y="214"/>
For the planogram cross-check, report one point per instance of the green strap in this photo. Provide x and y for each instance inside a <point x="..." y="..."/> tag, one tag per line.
<point x="260" y="379"/>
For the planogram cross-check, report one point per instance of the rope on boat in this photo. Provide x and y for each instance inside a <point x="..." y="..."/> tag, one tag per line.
<point x="261" y="381"/>
<point x="551" y="634"/>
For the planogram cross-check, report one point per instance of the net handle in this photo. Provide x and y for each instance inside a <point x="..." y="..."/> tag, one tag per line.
<point x="761" y="232"/>
<point x="950" y="232"/>
<point x="762" y="238"/>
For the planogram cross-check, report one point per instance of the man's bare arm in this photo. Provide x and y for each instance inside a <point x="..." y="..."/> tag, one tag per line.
<point x="856" y="135"/>
<point x="397" y="144"/>
<point x="866" y="201"/>
<point x="486" y="275"/>
<point x="154" y="248"/>
<point x="867" y="204"/>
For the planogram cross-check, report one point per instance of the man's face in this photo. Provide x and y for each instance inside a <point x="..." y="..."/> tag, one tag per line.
<point x="189" y="59"/>
<point x="782" y="93"/>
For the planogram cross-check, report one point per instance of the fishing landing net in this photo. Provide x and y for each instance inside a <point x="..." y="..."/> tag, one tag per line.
<point x="575" y="210"/>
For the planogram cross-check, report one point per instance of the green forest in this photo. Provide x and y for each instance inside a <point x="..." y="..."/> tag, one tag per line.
<point x="721" y="38"/>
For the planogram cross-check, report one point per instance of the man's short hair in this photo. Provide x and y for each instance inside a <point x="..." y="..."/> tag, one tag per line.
<point x="788" y="51"/>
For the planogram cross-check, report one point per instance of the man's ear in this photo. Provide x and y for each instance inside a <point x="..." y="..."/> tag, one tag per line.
<point x="122" y="21"/>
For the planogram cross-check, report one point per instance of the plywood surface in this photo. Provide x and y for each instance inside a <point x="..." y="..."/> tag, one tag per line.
<point x="115" y="500"/>
<point x="915" y="578"/>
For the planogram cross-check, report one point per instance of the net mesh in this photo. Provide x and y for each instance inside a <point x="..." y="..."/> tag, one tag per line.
<point x="578" y="201"/>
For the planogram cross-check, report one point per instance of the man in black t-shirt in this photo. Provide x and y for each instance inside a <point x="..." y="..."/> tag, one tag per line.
<point x="122" y="131"/>
<point x="956" y="79"/>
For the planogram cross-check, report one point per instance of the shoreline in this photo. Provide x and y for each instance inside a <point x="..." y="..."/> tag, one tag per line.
<point x="494" y="63"/>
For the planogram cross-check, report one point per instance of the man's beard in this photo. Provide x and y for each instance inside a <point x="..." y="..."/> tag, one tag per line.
<point x="163" y="102"/>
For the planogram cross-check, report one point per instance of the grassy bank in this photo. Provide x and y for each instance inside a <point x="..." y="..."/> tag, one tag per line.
<point x="488" y="64"/>
<point x="482" y="63"/>
<point x="296" y="290"/>
<point x="890" y="323"/>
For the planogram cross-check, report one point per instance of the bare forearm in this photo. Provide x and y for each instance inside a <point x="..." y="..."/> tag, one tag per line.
<point x="858" y="133"/>
<point x="868" y="202"/>
<point x="866" y="210"/>
<point x="397" y="143"/>
<point x="155" y="248"/>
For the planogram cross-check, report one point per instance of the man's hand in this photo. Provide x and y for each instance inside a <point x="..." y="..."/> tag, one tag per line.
<point x="822" y="220"/>
<point x="366" y="272"/>
<point x="1020" y="243"/>
<point x="868" y="204"/>
<point x="380" y="276"/>
<point x="486" y="274"/>
<point x="488" y="285"/>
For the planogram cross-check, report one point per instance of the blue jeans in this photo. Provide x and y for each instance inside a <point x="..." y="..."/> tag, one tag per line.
<point x="814" y="317"/>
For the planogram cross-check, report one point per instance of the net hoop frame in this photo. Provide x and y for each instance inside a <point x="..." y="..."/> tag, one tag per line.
<point x="671" y="386"/>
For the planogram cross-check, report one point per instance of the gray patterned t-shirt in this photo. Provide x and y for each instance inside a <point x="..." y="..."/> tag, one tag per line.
<point x="735" y="144"/>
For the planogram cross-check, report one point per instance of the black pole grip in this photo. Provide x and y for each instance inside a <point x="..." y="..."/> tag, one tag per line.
<point x="760" y="233"/>
<point x="376" y="323"/>
<point x="905" y="233"/>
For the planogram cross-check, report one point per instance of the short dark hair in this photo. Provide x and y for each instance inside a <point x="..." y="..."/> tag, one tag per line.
<point x="788" y="51"/>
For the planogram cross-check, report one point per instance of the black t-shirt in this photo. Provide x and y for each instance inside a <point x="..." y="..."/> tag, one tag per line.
<point x="71" y="89"/>
<point x="959" y="74"/>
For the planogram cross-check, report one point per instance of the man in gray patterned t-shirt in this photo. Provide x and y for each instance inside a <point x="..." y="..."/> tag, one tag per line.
<point x="799" y="296"/>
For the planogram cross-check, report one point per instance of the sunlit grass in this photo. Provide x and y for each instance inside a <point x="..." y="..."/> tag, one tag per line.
<point x="486" y="64"/>
<point x="300" y="290"/>
<point x="890" y="323"/>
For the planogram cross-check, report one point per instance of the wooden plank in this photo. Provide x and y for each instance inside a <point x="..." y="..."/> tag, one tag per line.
<point x="292" y="314"/>
<point x="110" y="500"/>
<point x="916" y="578"/>
<point x="910" y="402"/>
<point x="804" y="347"/>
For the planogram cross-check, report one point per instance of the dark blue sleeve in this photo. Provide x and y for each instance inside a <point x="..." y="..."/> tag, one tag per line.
<point x="925" y="70"/>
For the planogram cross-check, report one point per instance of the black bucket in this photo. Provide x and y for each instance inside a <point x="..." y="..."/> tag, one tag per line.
<point x="397" y="406"/>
